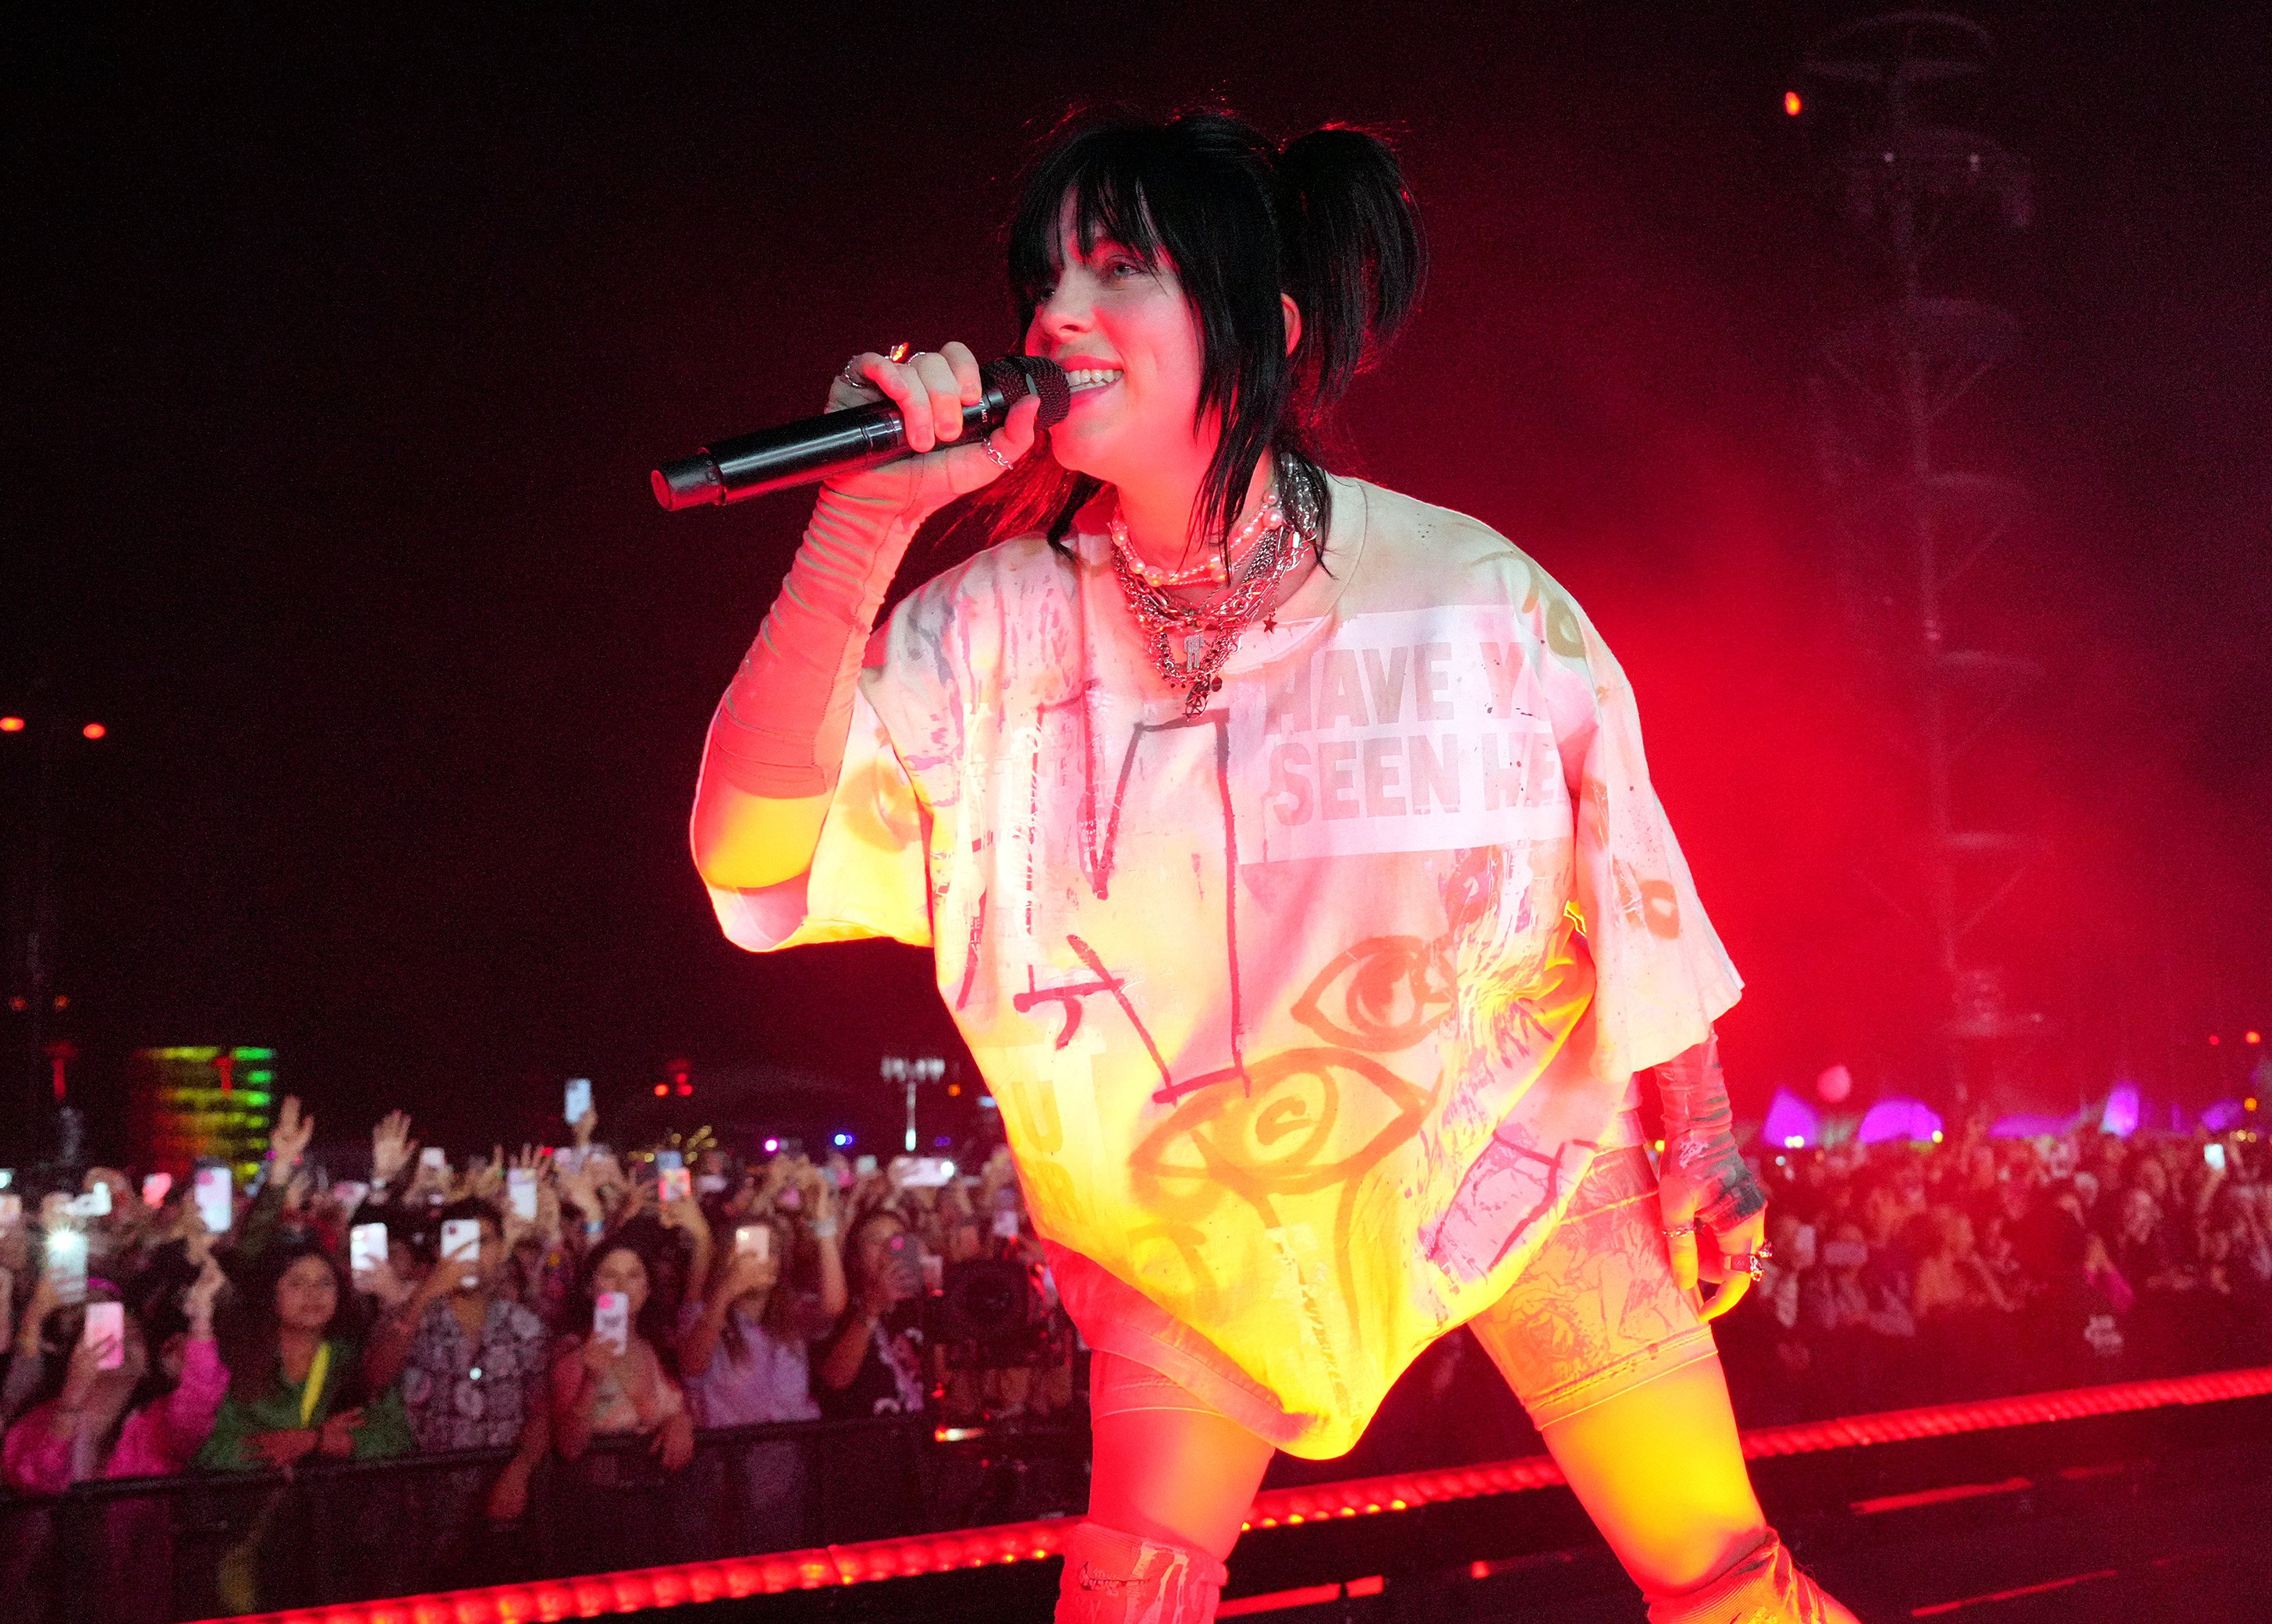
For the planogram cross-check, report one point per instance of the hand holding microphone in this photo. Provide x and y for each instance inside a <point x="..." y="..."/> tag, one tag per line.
<point x="909" y="433"/>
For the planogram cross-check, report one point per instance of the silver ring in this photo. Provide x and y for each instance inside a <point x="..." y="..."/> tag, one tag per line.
<point x="846" y="374"/>
<point x="1679" y="1230"/>
<point x="986" y="444"/>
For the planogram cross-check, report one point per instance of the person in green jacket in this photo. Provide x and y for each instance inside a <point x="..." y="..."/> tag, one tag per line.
<point x="294" y="1374"/>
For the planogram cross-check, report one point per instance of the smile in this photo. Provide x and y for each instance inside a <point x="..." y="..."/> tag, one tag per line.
<point x="1092" y="377"/>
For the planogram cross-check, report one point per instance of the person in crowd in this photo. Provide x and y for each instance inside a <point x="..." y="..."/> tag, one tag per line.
<point x="601" y="1390"/>
<point x="296" y="1386"/>
<point x="623" y="1396"/>
<point x="120" y="1412"/>
<point x="744" y="1337"/>
<point x="872" y="1363"/>
<point x="473" y="1366"/>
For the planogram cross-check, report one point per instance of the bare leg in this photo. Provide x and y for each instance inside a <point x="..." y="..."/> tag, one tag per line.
<point x="1659" y="1470"/>
<point x="1183" y="1477"/>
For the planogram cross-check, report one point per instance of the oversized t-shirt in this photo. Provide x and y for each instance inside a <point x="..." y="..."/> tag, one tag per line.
<point x="1305" y="1016"/>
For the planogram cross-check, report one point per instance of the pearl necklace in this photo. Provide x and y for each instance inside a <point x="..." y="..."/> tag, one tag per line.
<point x="1215" y="570"/>
<point x="1209" y="633"/>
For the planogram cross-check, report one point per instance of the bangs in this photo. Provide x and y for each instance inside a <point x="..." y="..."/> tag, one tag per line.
<point x="1104" y="178"/>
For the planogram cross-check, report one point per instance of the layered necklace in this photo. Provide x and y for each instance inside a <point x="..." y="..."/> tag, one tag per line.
<point x="1191" y="642"/>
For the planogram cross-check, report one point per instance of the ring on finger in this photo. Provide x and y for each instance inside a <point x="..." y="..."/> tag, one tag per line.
<point x="1679" y="1230"/>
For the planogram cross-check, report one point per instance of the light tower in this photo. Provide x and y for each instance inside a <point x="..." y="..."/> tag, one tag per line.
<point x="41" y="732"/>
<point x="1888" y="110"/>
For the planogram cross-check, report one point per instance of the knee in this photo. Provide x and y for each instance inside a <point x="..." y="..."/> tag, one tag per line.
<point x="1115" y="1577"/>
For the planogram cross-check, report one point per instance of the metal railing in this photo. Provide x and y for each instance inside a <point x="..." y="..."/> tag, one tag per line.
<point x="156" y="1550"/>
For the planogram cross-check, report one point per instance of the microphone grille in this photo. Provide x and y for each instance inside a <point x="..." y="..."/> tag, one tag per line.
<point x="1035" y="376"/>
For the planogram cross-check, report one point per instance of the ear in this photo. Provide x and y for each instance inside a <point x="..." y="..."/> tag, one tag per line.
<point x="1293" y="321"/>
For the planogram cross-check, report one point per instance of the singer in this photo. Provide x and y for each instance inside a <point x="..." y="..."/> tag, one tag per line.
<point x="1290" y="864"/>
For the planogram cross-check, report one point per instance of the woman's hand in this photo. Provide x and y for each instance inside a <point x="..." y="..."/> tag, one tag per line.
<point x="86" y="1373"/>
<point x="284" y="1447"/>
<point x="509" y="1494"/>
<point x="600" y="1357"/>
<point x="287" y="1140"/>
<point x="337" y="1437"/>
<point x="673" y="1441"/>
<point x="685" y="1213"/>
<point x="930" y="391"/>
<point x="748" y="1273"/>
<point x="197" y="1302"/>
<point x="392" y="1147"/>
<point x="37" y="1310"/>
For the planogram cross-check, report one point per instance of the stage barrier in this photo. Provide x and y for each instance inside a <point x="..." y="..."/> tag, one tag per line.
<point x="819" y="1567"/>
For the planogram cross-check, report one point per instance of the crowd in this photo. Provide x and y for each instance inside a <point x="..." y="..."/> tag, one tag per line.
<point x="1907" y="1274"/>
<point x="587" y="1313"/>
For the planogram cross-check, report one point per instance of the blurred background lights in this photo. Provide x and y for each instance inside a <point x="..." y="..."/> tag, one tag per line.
<point x="1791" y="104"/>
<point x="94" y="730"/>
<point x="11" y="724"/>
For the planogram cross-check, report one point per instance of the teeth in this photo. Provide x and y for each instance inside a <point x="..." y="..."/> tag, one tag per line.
<point x="1092" y="378"/>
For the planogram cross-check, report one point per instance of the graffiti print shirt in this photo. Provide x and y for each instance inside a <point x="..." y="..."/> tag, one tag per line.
<point x="1305" y="1016"/>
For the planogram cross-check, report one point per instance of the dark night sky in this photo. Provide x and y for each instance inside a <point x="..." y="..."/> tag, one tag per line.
<point x="338" y="353"/>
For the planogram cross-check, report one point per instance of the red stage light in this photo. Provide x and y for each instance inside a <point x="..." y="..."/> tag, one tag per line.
<point x="94" y="730"/>
<point x="11" y="724"/>
<point x="1791" y="104"/>
<point x="662" y="1089"/>
<point x="2253" y="1037"/>
<point x="2214" y="1040"/>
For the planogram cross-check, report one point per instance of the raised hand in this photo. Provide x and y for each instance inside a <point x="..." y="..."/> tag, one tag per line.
<point x="198" y="1302"/>
<point x="287" y="1140"/>
<point x="392" y="1147"/>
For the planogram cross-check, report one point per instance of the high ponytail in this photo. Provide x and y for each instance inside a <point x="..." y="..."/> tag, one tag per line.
<point x="1356" y="259"/>
<point x="1326" y="219"/>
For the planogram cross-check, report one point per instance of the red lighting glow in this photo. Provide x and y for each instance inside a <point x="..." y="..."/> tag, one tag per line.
<point x="94" y="730"/>
<point x="661" y="1089"/>
<point x="2214" y="1040"/>
<point x="826" y="1566"/>
<point x="2253" y="1037"/>
<point x="1791" y="104"/>
<point x="11" y="724"/>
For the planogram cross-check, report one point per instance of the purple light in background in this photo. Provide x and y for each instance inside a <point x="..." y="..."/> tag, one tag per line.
<point x="1899" y="1119"/>
<point x="2030" y="1125"/>
<point x="1791" y="1125"/>
<point x="2224" y="1116"/>
<point x="772" y="1146"/>
<point x="2120" y="1117"/>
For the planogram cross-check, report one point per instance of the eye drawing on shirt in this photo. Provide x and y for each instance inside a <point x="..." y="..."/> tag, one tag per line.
<point x="1386" y="992"/>
<point x="1317" y="1119"/>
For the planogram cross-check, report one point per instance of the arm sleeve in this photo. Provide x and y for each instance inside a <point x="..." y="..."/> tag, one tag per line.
<point x="37" y="1462"/>
<point x="1661" y="975"/>
<point x="870" y="874"/>
<point x="223" y="1449"/>
<point x="184" y="1418"/>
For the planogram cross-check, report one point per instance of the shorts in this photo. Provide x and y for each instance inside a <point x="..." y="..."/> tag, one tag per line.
<point x="1595" y="1314"/>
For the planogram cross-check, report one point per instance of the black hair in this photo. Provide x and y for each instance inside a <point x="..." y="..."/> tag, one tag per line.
<point x="657" y="1316"/>
<point x="472" y="1206"/>
<point x="250" y="1339"/>
<point x="1325" y="219"/>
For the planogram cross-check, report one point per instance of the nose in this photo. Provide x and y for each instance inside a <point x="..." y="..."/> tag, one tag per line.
<point x="1067" y="313"/>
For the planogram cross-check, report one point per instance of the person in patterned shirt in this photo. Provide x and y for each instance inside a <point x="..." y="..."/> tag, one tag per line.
<point x="472" y="1363"/>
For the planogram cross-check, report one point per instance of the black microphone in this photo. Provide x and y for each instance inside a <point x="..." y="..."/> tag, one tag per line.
<point x="838" y="441"/>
